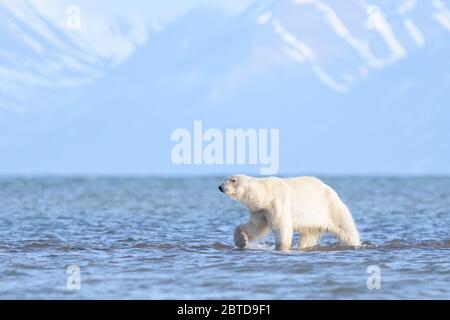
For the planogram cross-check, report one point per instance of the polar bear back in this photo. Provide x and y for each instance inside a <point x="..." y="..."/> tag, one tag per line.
<point x="312" y="203"/>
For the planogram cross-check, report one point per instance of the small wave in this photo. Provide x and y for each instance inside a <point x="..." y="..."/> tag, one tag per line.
<point x="395" y="244"/>
<point x="31" y="245"/>
<point x="221" y="246"/>
<point x="332" y="247"/>
<point x="402" y="244"/>
<point x="15" y="273"/>
<point x="181" y="246"/>
<point x="152" y="245"/>
<point x="56" y="245"/>
<point x="36" y="245"/>
<point x="261" y="246"/>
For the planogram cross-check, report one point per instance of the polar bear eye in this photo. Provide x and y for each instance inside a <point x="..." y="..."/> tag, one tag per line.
<point x="233" y="180"/>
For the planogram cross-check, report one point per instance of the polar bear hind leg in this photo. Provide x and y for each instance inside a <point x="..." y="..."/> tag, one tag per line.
<point x="309" y="238"/>
<point x="345" y="228"/>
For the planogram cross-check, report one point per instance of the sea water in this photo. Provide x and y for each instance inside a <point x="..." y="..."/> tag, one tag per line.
<point x="172" y="238"/>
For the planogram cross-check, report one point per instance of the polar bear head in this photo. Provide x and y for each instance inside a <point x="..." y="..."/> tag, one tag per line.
<point x="236" y="187"/>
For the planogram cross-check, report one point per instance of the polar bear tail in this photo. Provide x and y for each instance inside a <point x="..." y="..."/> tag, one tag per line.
<point x="343" y="221"/>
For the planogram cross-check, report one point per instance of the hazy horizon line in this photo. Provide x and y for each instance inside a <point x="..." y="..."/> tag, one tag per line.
<point x="219" y="175"/>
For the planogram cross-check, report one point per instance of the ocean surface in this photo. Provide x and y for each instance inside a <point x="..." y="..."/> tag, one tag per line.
<point x="172" y="238"/>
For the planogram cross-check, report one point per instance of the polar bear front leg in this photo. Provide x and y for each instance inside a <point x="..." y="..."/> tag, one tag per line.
<point x="282" y="226"/>
<point x="255" y="228"/>
<point x="283" y="237"/>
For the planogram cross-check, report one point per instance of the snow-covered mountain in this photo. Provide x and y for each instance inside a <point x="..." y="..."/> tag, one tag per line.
<point x="365" y="84"/>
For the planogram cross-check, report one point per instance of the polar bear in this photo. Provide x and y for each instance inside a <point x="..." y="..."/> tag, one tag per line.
<point x="301" y="204"/>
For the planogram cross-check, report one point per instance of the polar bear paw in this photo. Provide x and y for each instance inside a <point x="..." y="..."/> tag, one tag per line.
<point x="240" y="237"/>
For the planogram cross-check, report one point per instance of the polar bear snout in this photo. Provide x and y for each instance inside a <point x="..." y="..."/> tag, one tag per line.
<point x="221" y="189"/>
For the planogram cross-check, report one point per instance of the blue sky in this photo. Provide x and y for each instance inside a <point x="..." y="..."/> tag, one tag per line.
<point x="354" y="87"/>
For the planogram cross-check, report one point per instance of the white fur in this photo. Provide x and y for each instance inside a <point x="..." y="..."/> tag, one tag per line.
<point x="301" y="204"/>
